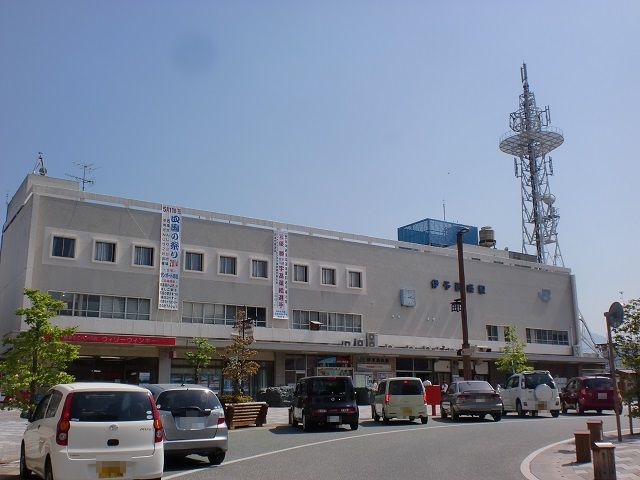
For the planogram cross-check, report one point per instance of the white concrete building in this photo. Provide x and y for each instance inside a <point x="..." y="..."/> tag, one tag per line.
<point x="381" y="307"/>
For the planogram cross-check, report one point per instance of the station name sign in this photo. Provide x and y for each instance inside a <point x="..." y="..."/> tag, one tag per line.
<point x="470" y="287"/>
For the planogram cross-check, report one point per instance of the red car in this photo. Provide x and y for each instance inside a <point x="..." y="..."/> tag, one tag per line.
<point x="588" y="393"/>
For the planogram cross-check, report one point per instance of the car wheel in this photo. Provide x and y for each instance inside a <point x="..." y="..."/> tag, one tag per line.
<point x="385" y="419"/>
<point x="443" y="412"/>
<point x="24" y="471"/>
<point x="307" y="425"/>
<point x="599" y="412"/>
<point x="534" y="413"/>
<point x="455" y="416"/>
<point x="217" y="457"/>
<point x="563" y="407"/>
<point x="619" y="410"/>
<point x="521" y="412"/>
<point x="354" y="425"/>
<point x="579" y="409"/>
<point x="48" y="471"/>
<point x="424" y="420"/>
<point x="292" y="419"/>
<point x="555" y="413"/>
<point x="496" y="417"/>
<point x="374" y="415"/>
<point x="411" y="419"/>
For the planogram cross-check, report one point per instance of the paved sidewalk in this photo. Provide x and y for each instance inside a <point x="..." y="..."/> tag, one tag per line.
<point x="558" y="461"/>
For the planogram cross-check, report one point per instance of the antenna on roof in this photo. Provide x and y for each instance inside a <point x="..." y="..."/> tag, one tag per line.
<point x="87" y="168"/>
<point x="39" y="166"/>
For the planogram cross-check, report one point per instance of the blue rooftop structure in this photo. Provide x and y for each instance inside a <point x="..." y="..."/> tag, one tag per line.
<point x="437" y="233"/>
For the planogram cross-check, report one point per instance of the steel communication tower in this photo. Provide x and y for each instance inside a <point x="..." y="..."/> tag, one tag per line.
<point x="530" y="140"/>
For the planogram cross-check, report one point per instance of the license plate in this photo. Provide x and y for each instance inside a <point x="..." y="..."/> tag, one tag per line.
<point x="541" y="406"/>
<point x="479" y="400"/>
<point x="333" y="419"/>
<point x="602" y="396"/>
<point x="406" y="411"/>
<point x="110" y="469"/>
<point x="190" y="423"/>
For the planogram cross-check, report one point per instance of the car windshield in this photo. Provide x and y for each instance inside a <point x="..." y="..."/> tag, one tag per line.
<point x="532" y="380"/>
<point x="405" y="387"/>
<point x="110" y="406"/>
<point x="475" y="386"/>
<point x="328" y="386"/>
<point x="175" y="399"/>
<point x="598" y="383"/>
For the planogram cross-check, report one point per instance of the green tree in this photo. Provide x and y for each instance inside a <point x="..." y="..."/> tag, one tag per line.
<point x="626" y="342"/>
<point x="38" y="357"/>
<point x="201" y="356"/>
<point x="239" y="365"/>
<point x="513" y="358"/>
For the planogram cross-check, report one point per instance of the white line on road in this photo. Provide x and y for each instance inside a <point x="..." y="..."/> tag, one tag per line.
<point x="341" y="439"/>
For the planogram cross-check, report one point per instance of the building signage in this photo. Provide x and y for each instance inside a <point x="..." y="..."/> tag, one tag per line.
<point x="120" y="339"/>
<point x="281" y="275"/>
<point x="470" y="287"/>
<point x="170" y="233"/>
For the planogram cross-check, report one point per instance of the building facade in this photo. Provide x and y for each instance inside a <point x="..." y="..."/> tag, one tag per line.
<point x="319" y="302"/>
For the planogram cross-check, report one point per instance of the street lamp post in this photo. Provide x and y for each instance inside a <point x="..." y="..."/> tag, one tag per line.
<point x="466" y="348"/>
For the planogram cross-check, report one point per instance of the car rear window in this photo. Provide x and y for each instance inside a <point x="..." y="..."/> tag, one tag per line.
<point x="405" y="387"/>
<point x="110" y="406"/>
<point x="532" y="380"/>
<point x="329" y="386"/>
<point x="475" y="386"/>
<point x="598" y="383"/>
<point x="175" y="399"/>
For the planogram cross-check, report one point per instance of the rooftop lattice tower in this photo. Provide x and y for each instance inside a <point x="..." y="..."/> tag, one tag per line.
<point x="530" y="140"/>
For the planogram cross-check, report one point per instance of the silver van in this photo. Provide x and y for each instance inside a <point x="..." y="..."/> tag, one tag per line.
<point x="402" y="398"/>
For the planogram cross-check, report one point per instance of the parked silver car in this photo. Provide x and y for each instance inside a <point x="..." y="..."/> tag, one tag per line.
<point x="471" y="397"/>
<point x="193" y="421"/>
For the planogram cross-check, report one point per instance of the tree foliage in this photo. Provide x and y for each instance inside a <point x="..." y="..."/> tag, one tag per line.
<point x="626" y="341"/>
<point x="38" y="357"/>
<point x="200" y="357"/>
<point x="239" y="365"/>
<point x="513" y="359"/>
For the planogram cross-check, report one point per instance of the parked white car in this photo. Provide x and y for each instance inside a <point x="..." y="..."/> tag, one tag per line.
<point x="94" y="430"/>
<point x="531" y="392"/>
<point x="400" y="397"/>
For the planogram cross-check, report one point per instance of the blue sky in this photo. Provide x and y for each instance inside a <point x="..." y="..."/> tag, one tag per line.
<point x="358" y="116"/>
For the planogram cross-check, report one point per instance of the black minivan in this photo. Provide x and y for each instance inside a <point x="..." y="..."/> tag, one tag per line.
<point x="324" y="401"/>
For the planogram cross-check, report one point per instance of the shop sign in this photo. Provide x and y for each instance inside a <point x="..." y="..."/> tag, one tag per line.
<point x="120" y="339"/>
<point x="334" y="361"/>
<point x="385" y="367"/>
<point x="281" y="275"/>
<point x="170" y="233"/>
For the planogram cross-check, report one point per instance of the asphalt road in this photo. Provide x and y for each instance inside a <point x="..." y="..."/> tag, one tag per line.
<point x="442" y="449"/>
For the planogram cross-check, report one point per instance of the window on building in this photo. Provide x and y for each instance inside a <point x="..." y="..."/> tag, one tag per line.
<point x="103" y="306"/>
<point x="328" y="276"/>
<point x="105" y="252"/>
<point x="63" y="247"/>
<point x="193" y="261"/>
<point x="492" y="333"/>
<point x="221" y="314"/>
<point x="335" y="322"/>
<point x="259" y="269"/>
<point x="301" y="273"/>
<point x="547" y="337"/>
<point x="143" y="256"/>
<point x="355" y="279"/>
<point x="227" y="265"/>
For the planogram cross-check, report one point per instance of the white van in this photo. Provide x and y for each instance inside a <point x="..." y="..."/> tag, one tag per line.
<point x="84" y="431"/>
<point x="402" y="398"/>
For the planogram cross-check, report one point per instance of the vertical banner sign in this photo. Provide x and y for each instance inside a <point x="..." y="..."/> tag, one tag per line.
<point x="170" y="233"/>
<point x="281" y="275"/>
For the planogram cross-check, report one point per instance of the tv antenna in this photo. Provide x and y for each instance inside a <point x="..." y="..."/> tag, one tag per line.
<point x="87" y="169"/>
<point x="39" y="166"/>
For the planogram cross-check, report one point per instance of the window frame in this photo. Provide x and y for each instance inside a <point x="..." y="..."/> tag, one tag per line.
<point x="65" y="237"/>
<point x="133" y="255"/>
<point x="202" y="261"/>
<point x="335" y="276"/>
<point x="257" y="259"/>
<point x="492" y="338"/>
<point x="307" y="270"/>
<point x="116" y="250"/>
<point x="361" y="276"/>
<point x="227" y="255"/>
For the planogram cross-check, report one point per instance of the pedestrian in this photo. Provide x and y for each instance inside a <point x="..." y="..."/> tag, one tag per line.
<point x="426" y="383"/>
<point x="443" y="388"/>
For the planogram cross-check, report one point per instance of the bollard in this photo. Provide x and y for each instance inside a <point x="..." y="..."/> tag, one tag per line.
<point x="595" y="430"/>
<point x="604" y="461"/>
<point x="583" y="446"/>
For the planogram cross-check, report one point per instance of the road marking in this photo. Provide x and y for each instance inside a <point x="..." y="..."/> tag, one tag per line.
<point x="342" y="439"/>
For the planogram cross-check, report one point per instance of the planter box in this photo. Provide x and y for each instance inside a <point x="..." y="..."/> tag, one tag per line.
<point x="247" y="414"/>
